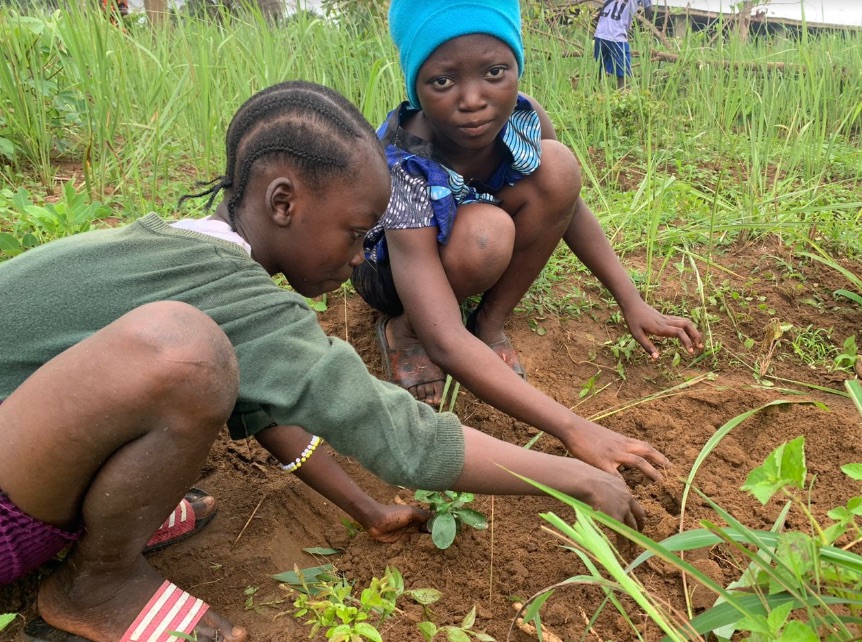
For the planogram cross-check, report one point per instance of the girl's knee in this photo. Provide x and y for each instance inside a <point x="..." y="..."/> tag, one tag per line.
<point x="481" y="242"/>
<point x="181" y="349"/>
<point x="559" y="175"/>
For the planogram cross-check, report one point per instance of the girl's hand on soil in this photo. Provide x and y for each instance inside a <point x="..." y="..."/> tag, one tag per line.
<point x="644" y="320"/>
<point x="609" y="451"/>
<point x="610" y="495"/>
<point x="392" y="523"/>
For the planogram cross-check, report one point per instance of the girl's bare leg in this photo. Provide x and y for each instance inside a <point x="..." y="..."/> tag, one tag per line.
<point x="541" y="206"/>
<point x="114" y="430"/>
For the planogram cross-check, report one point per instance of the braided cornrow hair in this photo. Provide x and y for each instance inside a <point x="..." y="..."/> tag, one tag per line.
<point x="312" y="128"/>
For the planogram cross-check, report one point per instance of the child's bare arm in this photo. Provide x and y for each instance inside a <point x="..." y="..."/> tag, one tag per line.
<point x="489" y="464"/>
<point x="384" y="522"/>
<point x="587" y="240"/>
<point x="433" y="308"/>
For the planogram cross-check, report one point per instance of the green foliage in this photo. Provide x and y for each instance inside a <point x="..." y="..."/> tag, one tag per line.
<point x="6" y="619"/>
<point x="23" y="224"/>
<point x="449" y="513"/>
<point x="849" y="354"/>
<point x="329" y="604"/>
<point x="798" y="585"/>
<point x="452" y="633"/>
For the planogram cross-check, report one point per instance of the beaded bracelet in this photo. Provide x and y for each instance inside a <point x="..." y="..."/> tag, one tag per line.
<point x="293" y="466"/>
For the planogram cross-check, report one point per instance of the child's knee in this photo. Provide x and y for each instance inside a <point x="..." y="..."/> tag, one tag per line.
<point x="482" y="239"/>
<point x="182" y="351"/>
<point x="562" y="178"/>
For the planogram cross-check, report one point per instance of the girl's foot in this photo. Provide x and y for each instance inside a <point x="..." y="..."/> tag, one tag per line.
<point x="101" y="607"/>
<point x="407" y="364"/>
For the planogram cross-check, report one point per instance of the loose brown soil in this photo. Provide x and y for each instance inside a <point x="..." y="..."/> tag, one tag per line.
<point x="268" y="517"/>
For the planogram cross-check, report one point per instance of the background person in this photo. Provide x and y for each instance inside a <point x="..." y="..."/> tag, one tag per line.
<point x="611" y="42"/>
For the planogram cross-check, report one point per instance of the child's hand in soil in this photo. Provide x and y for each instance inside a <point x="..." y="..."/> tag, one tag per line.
<point x="644" y="320"/>
<point x="391" y="523"/>
<point x="609" y="451"/>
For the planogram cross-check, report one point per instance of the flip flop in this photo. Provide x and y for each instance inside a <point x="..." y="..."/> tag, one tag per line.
<point x="181" y="523"/>
<point x="169" y="611"/>
<point x="504" y="348"/>
<point x="407" y="367"/>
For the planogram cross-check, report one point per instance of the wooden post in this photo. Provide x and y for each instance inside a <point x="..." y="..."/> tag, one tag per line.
<point x="157" y="11"/>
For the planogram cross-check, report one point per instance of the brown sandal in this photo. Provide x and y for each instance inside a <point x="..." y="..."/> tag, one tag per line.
<point x="407" y="367"/>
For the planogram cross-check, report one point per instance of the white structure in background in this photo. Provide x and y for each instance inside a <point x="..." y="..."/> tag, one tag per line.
<point x="290" y="6"/>
<point x="835" y="12"/>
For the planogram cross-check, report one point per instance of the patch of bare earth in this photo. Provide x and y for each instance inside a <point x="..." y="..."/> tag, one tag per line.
<point x="267" y="517"/>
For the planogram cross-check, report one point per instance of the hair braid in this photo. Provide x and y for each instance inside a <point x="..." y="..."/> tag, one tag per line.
<point x="310" y="127"/>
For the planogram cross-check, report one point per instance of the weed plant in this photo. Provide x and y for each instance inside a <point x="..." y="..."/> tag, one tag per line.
<point x="696" y="152"/>
<point x="802" y="585"/>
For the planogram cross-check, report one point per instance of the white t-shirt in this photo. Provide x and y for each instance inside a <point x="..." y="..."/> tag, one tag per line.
<point x="212" y="227"/>
<point x="616" y="19"/>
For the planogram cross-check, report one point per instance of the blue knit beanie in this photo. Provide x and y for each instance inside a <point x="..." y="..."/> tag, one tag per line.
<point x="418" y="27"/>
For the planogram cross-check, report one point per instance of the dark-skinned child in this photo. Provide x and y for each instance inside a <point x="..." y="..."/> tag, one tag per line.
<point x="124" y="352"/>
<point x="482" y="194"/>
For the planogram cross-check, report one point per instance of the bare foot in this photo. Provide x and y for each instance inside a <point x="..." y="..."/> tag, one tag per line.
<point x="101" y="606"/>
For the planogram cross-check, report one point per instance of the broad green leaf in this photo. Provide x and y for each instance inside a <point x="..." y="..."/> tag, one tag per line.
<point x="318" y="550"/>
<point x="469" y="619"/>
<point x="428" y="629"/>
<point x="784" y="466"/>
<point x="454" y="634"/>
<point x="472" y="518"/>
<point x="854" y="471"/>
<point x="9" y="243"/>
<point x="425" y="596"/>
<point x="443" y="530"/>
<point x="7" y="149"/>
<point x="6" y="619"/>
<point x="798" y="632"/>
<point x="368" y="631"/>
<point x="310" y="574"/>
<point x="847" y="294"/>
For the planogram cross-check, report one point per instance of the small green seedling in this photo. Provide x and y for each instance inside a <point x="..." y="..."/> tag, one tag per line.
<point x="327" y="603"/>
<point x="449" y="514"/>
<point x="454" y="633"/>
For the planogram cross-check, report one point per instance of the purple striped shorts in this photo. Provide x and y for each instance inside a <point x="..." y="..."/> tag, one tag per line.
<point x="26" y="542"/>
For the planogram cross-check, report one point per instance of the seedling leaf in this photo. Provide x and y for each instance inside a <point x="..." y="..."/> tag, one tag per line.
<point x="425" y="596"/>
<point x="443" y="529"/>
<point x="310" y="574"/>
<point x="472" y="518"/>
<point x="853" y="471"/>
<point x="318" y="550"/>
<point x="785" y="466"/>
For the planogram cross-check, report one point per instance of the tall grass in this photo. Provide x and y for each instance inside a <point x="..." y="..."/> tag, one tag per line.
<point x="698" y="150"/>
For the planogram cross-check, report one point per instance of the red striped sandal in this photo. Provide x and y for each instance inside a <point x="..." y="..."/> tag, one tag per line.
<point x="170" y="616"/>
<point x="181" y="523"/>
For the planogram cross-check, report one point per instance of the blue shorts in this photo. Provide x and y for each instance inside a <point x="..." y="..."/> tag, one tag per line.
<point x="616" y="57"/>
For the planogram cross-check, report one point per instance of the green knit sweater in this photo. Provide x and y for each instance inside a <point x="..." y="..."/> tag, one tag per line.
<point x="55" y="295"/>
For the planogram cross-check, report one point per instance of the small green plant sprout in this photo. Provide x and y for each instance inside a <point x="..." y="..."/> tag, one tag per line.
<point x="623" y="350"/>
<point x="6" y="619"/>
<point x="453" y="633"/>
<point x="327" y="602"/>
<point x="849" y="355"/>
<point x="449" y="513"/>
<point x="802" y="585"/>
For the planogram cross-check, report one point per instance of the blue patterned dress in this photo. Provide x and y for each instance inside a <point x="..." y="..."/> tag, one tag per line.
<point x="426" y="193"/>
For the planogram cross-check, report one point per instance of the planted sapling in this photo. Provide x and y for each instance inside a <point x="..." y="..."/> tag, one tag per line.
<point x="449" y="513"/>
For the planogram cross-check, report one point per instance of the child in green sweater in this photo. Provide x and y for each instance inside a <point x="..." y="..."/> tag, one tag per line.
<point x="125" y="351"/>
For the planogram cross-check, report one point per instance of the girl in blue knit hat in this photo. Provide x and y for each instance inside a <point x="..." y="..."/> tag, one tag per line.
<point x="482" y="193"/>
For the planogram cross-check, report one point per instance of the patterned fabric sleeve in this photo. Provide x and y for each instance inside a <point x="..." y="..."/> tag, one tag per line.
<point x="409" y="205"/>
